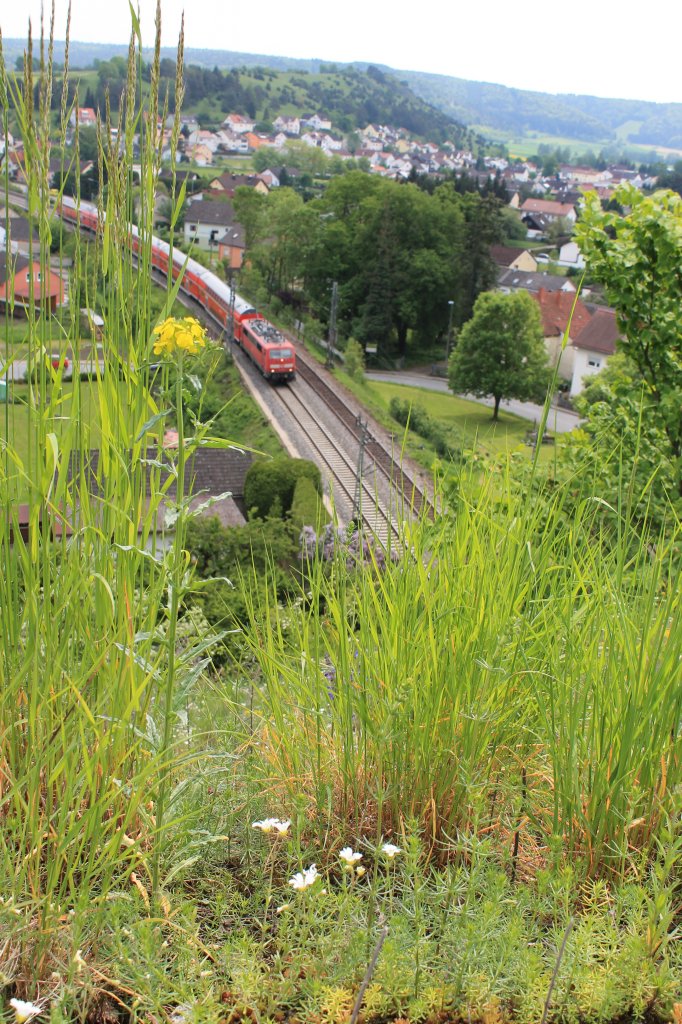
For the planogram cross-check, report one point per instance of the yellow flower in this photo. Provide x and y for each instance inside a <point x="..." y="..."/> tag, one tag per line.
<point x="179" y="335"/>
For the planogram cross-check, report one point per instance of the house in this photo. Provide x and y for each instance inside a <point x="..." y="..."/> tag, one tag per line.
<point x="206" y="222"/>
<point x="23" y="238"/>
<point x="317" y="123"/>
<point x="593" y="346"/>
<point x="203" y="138"/>
<point x="238" y="124"/>
<point x="225" y="184"/>
<point x="511" y="280"/>
<point x="85" y="117"/>
<point x="550" y="209"/>
<point x="210" y="472"/>
<point x="288" y="125"/>
<point x="22" y="282"/>
<point x="571" y="256"/>
<point x="561" y="312"/>
<point x="230" y="142"/>
<point x="270" y="178"/>
<point x="537" y="224"/>
<point x="231" y="247"/>
<point x="513" y="258"/>
<point x="201" y="155"/>
<point x="256" y="141"/>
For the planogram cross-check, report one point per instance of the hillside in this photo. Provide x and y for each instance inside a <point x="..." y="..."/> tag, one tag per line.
<point x="350" y="97"/>
<point x="518" y="111"/>
<point x="398" y="98"/>
<point x="265" y="87"/>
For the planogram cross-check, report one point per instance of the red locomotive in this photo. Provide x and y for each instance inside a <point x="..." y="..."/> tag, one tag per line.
<point x="264" y="344"/>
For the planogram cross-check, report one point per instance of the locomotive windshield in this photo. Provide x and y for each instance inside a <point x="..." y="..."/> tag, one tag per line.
<point x="281" y="353"/>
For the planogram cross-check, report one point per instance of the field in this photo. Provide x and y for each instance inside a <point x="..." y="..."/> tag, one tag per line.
<point x="434" y="783"/>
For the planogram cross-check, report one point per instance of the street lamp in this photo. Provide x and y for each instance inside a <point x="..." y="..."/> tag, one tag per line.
<point x="448" y="342"/>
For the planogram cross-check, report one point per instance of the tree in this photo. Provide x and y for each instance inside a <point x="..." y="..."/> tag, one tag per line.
<point x="500" y="351"/>
<point x="621" y="446"/>
<point x="638" y="256"/>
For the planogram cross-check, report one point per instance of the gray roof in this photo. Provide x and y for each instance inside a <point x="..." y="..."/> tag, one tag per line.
<point x="19" y="228"/>
<point x="11" y="265"/>
<point x="210" y="471"/>
<point x="531" y="282"/>
<point x="202" y="211"/>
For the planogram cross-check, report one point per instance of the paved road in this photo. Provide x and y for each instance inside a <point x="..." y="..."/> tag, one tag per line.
<point x="561" y="421"/>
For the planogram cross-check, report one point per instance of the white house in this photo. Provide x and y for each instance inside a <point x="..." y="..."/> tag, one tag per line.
<point x="593" y="347"/>
<point x="207" y="222"/>
<point x="571" y="256"/>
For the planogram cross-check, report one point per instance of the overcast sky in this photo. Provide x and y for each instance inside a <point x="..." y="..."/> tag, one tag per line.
<point x="620" y="50"/>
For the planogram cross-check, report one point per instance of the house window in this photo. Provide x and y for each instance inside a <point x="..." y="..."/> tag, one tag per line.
<point x="596" y="363"/>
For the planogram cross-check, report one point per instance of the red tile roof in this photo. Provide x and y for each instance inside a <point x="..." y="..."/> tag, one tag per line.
<point x="556" y="309"/>
<point x="550" y="206"/>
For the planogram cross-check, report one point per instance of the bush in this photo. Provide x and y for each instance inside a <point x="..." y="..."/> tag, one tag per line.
<point x="307" y="508"/>
<point x="417" y="418"/>
<point x="275" y="481"/>
<point x="355" y="360"/>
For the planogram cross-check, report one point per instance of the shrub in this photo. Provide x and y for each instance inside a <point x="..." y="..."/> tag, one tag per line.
<point x="355" y="360"/>
<point x="306" y="507"/>
<point x="275" y="481"/>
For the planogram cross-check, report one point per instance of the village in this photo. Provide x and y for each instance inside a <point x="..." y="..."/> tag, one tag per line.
<point x="541" y="258"/>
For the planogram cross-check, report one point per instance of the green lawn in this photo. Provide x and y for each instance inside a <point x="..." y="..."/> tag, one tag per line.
<point x="19" y="424"/>
<point x="469" y="425"/>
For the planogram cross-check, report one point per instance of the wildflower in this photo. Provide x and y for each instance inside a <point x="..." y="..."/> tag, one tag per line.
<point x="78" y="960"/>
<point x="268" y="825"/>
<point x="24" y="1011"/>
<point x="285" y="906"/>
<point x="304" y="879"/>
<point x="179" y="335"/>
<point x="390" y="851"/>
<point x="349" y="857"/>
<point x="360" y="871"/>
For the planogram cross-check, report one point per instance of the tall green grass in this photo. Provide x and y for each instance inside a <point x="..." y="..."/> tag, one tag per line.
<point x="90" y="678"/>
<point x="513" y="675"/>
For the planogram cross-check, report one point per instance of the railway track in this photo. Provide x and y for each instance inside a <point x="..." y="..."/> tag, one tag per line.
<point x="375" y="490"/>
<point x="341" y="461"/>
<point x="310" y="408"/>
<point x="413" y="497"/>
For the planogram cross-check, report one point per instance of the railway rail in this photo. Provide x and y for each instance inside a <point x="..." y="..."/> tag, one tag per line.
<point x="362" y="476"/>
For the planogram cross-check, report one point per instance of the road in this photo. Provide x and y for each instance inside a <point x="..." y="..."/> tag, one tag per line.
<point x="560" y="421"/>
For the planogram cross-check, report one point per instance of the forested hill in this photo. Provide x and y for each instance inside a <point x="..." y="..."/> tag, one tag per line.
<point x="350" y="97"/>
<point x="394" y="101"/>
<point x="220" y="82"/>
<point x="517" y="111"/>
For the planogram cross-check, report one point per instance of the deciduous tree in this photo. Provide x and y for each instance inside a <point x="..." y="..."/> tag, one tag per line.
<point x="500" y="351"/>
<point x="638" y="257"/>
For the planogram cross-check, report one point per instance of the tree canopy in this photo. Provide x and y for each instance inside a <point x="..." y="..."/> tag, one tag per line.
<point x="501" y="351"/>
<point x="638" y="257"/>
<point x="398" y="254"/>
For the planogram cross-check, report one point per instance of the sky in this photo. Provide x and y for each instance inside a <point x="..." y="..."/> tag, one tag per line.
<point x="611" y="50"/>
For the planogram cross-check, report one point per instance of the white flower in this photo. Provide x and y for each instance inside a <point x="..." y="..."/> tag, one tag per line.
<point x="24" y="1011"/>
<point x="304" y="879"/>
<point x="272" y="825"/>
<point x="285" y="906"/>
<point x="360" y="871"/>
<point x="349" y="857"/>
<point x="389" y="850"/>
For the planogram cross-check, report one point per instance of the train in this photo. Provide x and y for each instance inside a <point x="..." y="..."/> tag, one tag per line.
<point x="264" y="344"/>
